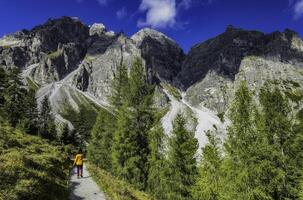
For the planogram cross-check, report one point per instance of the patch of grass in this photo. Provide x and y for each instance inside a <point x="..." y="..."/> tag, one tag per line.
<point x="5" y="46"/>
<point x="115" y="188"/>
<point x="32" y="85"/>
<point x="54" y="54"/>
<point x="172" y="90"/>
<point x="295" y="96"/>
<point x="89" y="58"/>
<point x="31" y="168"/>
<point x="161" y="113"/>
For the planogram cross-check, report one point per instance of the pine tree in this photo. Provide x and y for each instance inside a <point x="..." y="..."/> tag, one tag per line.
<point x="156" y="163"/>
<point x="65" y="137"/>
<point x="241" y="145"/>
<point x="209" y="182"/>
<point x="14" y="97"/>
<point x="134" y="120"/>
<point x="260" y="161"/>
<point x="297" y="146"/>
<point x="100" y="146"/>
<point x="84" y="122"/>
<point x="285" y="144"/>
<point x="47" y="127"/>
<point x="141" y="103"/>
<point x="3" y="81"/>
<point x="123" y="147"/>
<point x="119" y="86"/>
<point x="81" y="127"/>
<point x="30" y="121"/>
<point x="182" y="160"/>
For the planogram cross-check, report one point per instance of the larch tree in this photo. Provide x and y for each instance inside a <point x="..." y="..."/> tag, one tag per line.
<point x="209" y="182"/>
<point x="156" y="163"/>
<point x="100" y="146"/>
<point x="14" y="97"/>
<point x="182" y="160"/>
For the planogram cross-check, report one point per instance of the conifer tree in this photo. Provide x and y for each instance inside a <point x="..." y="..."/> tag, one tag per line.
<point x="65" y="137"/>
<point x="182" y="160"/>
<point x="134" y="120"/>
<point x="3" y="81"/>
<point x="284" y="139"/>
<point x="31" y="119"/>
<point x="156" y="163"/>
<point x="84" y="122"/>
<point x="81" y="127"/>
<point x="209" y="182"/>
<point x="15" y="97"/>
<point x="123" y="147"/>
<point x="140" y="99"/>
<point x="100" y="146"/>
<point x="240" y="146"/>
<point x="119" y="86"/>
<point x="47" y="124"/>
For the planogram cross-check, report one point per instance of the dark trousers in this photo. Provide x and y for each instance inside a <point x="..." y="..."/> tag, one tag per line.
<point x="79" y="170"/>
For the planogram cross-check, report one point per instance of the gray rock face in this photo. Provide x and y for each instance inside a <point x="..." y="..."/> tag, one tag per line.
<point x="58" y="45"/>
<point x="97" y="29"/>
<point x="163" y="56"/>
<point x="224" y="54"/>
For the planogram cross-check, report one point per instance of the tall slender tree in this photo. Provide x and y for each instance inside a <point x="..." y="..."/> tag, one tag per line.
<point x="119" y="86"/>
<point x="15" y="97"/>
<point x="100" y="146"/>
<point x="157" y="164"/>
<point x="47" y="127"/>
<point x="30" y="121"/>
<point x="247" y="150"/>
<point x="183" y="148"/>
<point x="284" y="139"/>
<point x="134" y="120"/>
<point x="65" y="137"/>
<point x="209" y="182"/>
<point x="3" y="82"/>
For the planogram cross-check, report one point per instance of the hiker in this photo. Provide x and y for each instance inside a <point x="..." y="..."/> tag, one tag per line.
<point x="79" y="163"/>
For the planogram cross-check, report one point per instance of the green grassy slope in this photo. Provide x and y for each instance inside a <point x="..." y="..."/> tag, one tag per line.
<point x="115" y="188"/>
<point x="30" y="167"/>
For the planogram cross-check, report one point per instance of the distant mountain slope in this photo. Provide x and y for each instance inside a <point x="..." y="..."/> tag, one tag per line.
<point x="73" y="65"/>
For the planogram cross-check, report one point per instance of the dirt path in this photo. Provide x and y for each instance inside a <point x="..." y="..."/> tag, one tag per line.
<point x="84" y="188"/>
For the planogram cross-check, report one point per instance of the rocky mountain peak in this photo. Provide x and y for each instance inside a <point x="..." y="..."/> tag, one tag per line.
<point x="148" y="32"/>
<point x="224" y="53"/>
<point x="162" y="54"/>
<point x="62" y="30"/>
<point x="97" y="29"/>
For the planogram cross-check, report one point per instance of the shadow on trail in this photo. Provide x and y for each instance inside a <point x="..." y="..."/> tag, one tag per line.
<point x="73" y="186"/>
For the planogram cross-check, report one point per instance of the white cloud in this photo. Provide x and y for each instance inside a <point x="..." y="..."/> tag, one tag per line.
<point x="164" y="13"/>
<point x="298" y="9"/>
<point x="159" y="13"/>
<point x="121" y="13"/>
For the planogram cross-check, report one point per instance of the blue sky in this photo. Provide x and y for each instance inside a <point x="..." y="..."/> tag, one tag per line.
<point x="186" y="21"/>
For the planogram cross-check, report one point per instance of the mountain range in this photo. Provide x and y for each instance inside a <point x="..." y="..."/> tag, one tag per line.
<point x="73" y="65"/>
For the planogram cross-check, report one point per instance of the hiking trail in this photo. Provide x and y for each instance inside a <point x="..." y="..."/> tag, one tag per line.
<point x="84" y="188"/>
